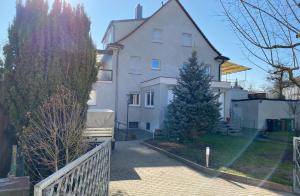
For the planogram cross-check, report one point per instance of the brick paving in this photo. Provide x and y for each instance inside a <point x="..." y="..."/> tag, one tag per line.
<point x="137" y="171"/>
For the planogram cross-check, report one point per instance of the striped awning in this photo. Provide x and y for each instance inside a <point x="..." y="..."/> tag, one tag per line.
<point x="230" y="68"/>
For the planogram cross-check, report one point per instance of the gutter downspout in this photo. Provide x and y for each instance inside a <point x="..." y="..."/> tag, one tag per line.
<point x="117" y="85"/>
<point x="221" y="59"/>
<point x="117" y="48"/>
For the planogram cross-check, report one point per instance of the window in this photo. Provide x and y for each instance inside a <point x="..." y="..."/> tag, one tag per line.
<point x="148" y="126"/>
<point x="155" y="64"/>
<point x="157" y="35"/>
<point x="149" y="99"/>
<point x="133" y="125"/>
<point x="187" y="39"/>
<point x="207" y="70"/>
<point x="93" y="98"/>
<point x="105" y="73"/>
<point x="134" y="99"/>
<point x="135" y="65"/>
<point x="170" y="96"/>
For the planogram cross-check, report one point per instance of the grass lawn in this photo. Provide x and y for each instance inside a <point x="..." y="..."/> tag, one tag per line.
<point x="239" y="155"/>
<point x="281" y="136"/>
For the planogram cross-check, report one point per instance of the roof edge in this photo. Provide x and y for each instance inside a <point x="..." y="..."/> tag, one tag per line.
<point x="187" y="14"/>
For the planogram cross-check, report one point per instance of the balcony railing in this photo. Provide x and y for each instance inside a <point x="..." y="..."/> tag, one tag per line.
<point x="105" y="75"/>
<point x="87" y="175"/>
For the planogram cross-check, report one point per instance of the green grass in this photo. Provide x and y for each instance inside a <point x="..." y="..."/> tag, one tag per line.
<point x="241" y="156"/>
<point x="280" y="136"/>
<point x="284" y="136"/>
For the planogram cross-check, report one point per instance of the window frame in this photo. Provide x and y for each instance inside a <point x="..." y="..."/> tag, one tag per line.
<point x="154" y="39"/>
<point x="139" y="99"/>
<point x="151" y="101"/>
<point x="148" y="129"/>
<point x="183" y="40"/>
<point x="158" y="60"/>
<point x="106" y="69"/>
<point x="208" y="70"/>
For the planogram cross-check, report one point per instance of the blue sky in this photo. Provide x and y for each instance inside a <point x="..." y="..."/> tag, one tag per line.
<point x="207" y="14"/>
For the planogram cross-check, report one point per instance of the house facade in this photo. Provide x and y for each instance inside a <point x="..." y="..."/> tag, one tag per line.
<point x="140" y="65"/>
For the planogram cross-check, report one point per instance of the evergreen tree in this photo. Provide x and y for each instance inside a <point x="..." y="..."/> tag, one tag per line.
<point x="47" y="49"/>
<point x="195" y="107"/>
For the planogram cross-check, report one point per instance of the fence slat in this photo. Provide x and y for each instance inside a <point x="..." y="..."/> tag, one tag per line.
<point x="85" y="175"/>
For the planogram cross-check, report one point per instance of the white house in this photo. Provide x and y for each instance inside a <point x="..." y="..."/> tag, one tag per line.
<point x="140" y="65"/>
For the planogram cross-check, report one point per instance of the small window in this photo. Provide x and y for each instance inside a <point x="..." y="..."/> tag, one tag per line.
<point x="135" y="65"/>
<point x="157" y="35"/>
<point x="149" y="99"/>
<point x="133" y="125"/>
<point x="170" y="96"/>
<point x="155" y="64"/>
<point x="148" y="126"/>
<point x="207" y="70"/>
<point x="93" y="98"/>
<point x="187" y="39"/>
<point x="134" y="99"/>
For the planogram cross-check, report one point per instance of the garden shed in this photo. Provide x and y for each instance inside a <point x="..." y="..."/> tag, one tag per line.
<point x="254" y="113"/>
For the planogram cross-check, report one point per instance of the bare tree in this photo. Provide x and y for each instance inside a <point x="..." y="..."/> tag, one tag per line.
<point x="269" y="31"/>
<point x="279" y="81"/>
<point x="53" y="136"/>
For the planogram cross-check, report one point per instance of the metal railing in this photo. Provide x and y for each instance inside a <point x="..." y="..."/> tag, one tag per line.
<point x="87" y="175"/>
<point x="296" y="158"/>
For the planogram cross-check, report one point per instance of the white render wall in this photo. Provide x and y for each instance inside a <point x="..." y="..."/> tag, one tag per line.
<point x="253" y="113"/>
<point x="173" y="22"/>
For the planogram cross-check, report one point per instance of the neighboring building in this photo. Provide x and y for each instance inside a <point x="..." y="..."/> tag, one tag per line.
<point x="140" y="65"/>
<point x="292" y="92"/>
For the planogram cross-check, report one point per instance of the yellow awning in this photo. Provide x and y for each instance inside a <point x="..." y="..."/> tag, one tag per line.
<point x="230" y="68"/>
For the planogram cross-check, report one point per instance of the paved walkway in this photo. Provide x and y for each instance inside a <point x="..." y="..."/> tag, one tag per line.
<point x="137" y="171"/>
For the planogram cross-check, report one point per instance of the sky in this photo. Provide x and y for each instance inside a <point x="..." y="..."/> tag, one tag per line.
<point x="207" y="14"/>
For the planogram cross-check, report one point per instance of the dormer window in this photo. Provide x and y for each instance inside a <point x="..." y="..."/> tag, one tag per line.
<point x="187" y="39"/>
<point x="157" y="35"/>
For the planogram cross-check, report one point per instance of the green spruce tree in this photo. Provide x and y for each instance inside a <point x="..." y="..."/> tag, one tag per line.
<point x="195" y="107"/>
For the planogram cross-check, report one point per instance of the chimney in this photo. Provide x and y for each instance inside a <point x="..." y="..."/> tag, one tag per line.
<point x="139" y="12"/>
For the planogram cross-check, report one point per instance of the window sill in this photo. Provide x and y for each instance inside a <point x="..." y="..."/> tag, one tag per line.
<point x="186" y="46"/>
<point x="155" y="69"/>
<point x="157" y="42"/>
<point x="134" y="105"/>
<point x="149" y="107"/>
<point x="108" y="82"/>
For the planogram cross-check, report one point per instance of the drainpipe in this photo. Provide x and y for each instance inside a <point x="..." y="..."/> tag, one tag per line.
<point x="116" y="47"/>
<point x="117" y="85"/>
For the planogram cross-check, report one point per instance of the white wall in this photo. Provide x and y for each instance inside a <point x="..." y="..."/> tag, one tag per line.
<point x="173" y="21"/>
<point x="253" y="113"/>
<point x="269" y="109"/>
